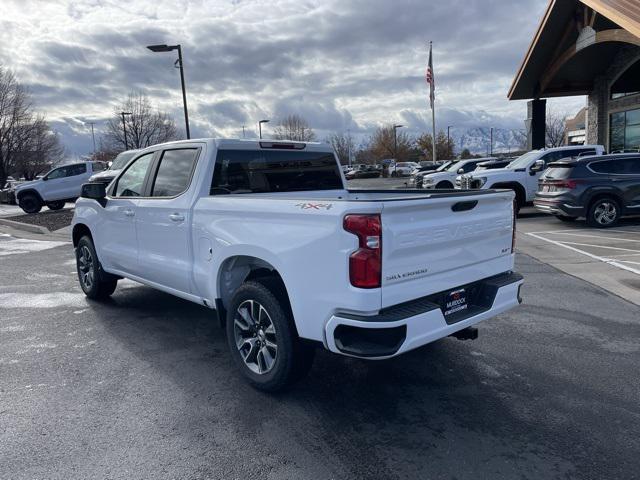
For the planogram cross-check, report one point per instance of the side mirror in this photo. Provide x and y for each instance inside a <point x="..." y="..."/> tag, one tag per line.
<point x="537" y="167"/>
<point x="460" y="171"/>
<point x="95" y="191"/>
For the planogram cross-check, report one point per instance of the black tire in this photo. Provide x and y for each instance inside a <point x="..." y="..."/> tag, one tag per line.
<point x="562" y="218"/>
<point x="30" y="203"/>
<point x="55" y="205"/>
<point x="394" y="174"/>
<point x="443" y="185"/>
<point x="95" y="283"/>
<point x="604" y="213"/>
<point x="251" y="338"/>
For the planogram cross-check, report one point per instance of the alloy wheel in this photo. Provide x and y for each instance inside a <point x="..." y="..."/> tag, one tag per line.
<point x="605" y="213"/>
<point x="255" y="336"/>
<point x="85" y="267"/>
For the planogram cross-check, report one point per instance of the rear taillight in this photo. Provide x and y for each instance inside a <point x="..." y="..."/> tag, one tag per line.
<point x="513" y="231"/>
<point x="365" y="264"/>
<point x="561" y="184"/>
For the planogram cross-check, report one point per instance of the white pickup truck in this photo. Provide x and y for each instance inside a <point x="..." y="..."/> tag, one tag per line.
<point x="59" y="185"/>
<point x="267" y="234"/>
<point x="522" y="174"/>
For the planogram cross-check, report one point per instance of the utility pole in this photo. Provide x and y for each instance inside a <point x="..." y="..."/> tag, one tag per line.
<point x="349" y="146"/>
<point x="93" y="136"/>
<point x="491" y="143"/>
<point x="124" y="128"/>
<point x="395" y="146"/>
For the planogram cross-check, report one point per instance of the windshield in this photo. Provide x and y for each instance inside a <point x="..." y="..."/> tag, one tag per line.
<point x="524" y="160"/>
<point x="121" y="160"/>
<point x="444" y="166"/>
<point x="454" y="167"/>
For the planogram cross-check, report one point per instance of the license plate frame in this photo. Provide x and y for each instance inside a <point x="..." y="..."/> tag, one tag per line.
<point x="455" y="302"/>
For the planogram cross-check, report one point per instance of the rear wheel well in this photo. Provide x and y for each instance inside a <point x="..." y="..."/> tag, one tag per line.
<point x="237" y="270"/>
<point x="521" y="194"/>
<point x="79" y="231"/>
<point x="601" y="195"/>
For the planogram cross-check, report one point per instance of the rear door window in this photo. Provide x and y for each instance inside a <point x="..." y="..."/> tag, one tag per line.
<point x="174" y="172"/>
<point x="77" y="169"/>
<point x="263" y="171"/>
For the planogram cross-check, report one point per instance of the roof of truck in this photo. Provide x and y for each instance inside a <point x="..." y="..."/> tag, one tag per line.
<point x="239" y="143"/>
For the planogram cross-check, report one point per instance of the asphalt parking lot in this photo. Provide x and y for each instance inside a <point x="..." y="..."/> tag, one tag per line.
<point x="142" y="386"/>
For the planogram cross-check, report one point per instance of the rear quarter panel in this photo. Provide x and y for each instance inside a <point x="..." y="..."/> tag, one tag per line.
<point x="303" y="240"/>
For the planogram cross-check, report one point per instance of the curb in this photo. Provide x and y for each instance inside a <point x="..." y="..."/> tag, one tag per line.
<point x="25" y="226"/>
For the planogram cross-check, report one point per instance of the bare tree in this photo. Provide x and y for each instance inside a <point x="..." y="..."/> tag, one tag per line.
<point x="444" y="150"/>
<point x="40" y="149"/>
<point x="27" y="144"/>
<point x="343" y="145"/>
<point x="383" y="144"/>
<point x="555" y="129"/>
<point x="294" y="127"/>
<point x="145" y="126"/>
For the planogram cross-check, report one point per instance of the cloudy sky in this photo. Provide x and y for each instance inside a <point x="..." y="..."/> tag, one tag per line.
<point x="345" y="64"/>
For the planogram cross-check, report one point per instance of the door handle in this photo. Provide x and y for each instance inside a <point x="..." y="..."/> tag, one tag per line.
<point x="176" y="217"/>
<point x="129" y="213"/>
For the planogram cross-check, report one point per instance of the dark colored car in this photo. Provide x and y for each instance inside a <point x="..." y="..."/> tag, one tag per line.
<point x="8" y="193"/>
<point x="364" y="171"/>
<point x="602" y="189"/>
<point x="106" y="176"/>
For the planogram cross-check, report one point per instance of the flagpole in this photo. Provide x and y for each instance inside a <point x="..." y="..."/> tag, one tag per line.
<point x="433" y="104"/>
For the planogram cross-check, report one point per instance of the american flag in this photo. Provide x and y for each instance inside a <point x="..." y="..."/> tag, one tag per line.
<point x="430" y="77"/>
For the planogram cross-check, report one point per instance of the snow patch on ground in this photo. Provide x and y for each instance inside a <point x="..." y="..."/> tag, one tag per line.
<point x="12" y="328"/>
<point x="23" y="245"/>
<point x="42" y="300"/>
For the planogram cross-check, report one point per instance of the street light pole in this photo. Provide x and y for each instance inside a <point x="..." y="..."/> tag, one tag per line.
<point x="124" y="128"/>
<point x="260" y="126"/>
<point x="449" y="154"/>
<point x="242" y="131"/>
<point x="179" y="64"/>
<point x="395" y="146"/>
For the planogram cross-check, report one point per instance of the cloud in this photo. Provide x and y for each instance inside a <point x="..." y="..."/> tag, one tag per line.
<point x="341" y="64"/>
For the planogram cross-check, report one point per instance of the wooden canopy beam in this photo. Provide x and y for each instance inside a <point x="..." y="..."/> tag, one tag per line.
<point x="613" y="35"/>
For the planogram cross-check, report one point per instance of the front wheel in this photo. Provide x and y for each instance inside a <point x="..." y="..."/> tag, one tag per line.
<point x="55" y="205"/>
<point x="262" y="338"/>
<point x="30" y="203"/>
<point x="443" y="185"/>
<point x="95" y="284"/>
<point x="603" y="213"/>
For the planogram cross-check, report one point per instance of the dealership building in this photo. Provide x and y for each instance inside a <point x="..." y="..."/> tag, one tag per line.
<point x="592" y="48"/>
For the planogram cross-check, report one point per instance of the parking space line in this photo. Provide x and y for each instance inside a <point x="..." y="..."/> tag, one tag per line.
<point x="594" y="230"/>
<point x="600" y="236"/>
<point x="608" y="261"/>
<point x="600" y="246"/>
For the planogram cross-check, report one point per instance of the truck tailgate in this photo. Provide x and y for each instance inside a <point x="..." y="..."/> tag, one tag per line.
<point x="434" y="244"/>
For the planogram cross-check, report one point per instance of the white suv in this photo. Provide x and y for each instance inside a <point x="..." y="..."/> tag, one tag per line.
<point x="60" y="185"/>
<point x="522" y="174"/>
<point x="402" y="169"/>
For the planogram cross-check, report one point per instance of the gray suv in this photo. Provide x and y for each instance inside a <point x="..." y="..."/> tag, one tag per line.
<point x="602" y="189"/>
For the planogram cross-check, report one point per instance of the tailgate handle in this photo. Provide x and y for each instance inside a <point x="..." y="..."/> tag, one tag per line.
<point x="464" y="206"/>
